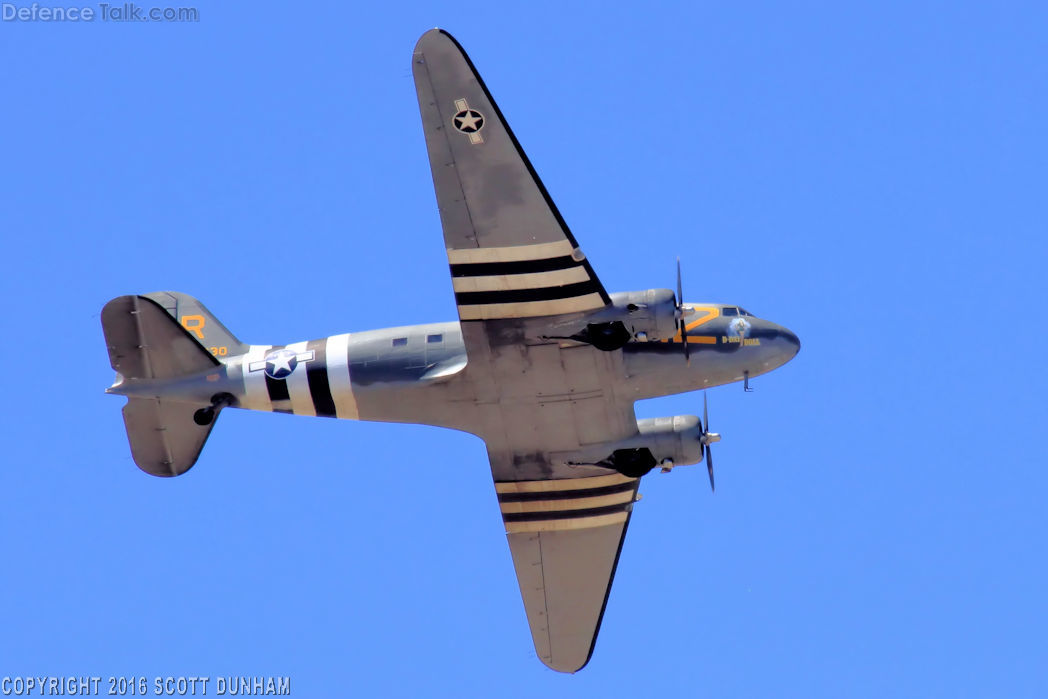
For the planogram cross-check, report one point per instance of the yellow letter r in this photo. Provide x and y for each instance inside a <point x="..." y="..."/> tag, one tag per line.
<point x="195" y="325"/>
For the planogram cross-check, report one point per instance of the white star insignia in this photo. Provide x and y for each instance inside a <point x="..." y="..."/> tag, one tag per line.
<point x="467" y="121"/>
<point x="279" y="363"/>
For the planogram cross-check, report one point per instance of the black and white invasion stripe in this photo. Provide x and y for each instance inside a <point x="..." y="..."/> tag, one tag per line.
<point x="320" y="386"/>
<point x="279" y="393"/>
<point x="317" y="380"/>
<point x="572" y="503"/>
<point x="524" y="281"/>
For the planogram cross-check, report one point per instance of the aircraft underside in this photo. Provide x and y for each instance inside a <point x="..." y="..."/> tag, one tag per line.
<point x="544" y="364"/>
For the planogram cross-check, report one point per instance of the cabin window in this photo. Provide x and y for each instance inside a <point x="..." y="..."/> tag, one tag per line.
<point x="434" y="338"/>
<point x="400" y="341"/>
<point x="729" y="311"/>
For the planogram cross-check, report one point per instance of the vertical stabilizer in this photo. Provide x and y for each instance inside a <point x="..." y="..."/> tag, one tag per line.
<point x="200" y="323"/>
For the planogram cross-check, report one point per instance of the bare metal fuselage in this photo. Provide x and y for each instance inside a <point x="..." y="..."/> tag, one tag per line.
<point x="420" y="374"/>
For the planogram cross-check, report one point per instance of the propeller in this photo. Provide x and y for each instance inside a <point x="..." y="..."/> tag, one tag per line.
<point x="708" y="438"/>
<point x="680" y="316"/>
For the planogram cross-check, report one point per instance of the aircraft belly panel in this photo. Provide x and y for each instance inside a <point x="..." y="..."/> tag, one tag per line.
<point x="591" y="420"/>
<point x="550" y="424"/>
<point x="558" y="397"/>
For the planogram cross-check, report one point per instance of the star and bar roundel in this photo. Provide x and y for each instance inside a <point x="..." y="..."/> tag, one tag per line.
<point x="468" y="121"/>
<point x="280" y="363"/>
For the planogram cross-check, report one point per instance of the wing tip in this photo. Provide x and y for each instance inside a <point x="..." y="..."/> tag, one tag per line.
<point x="436" y="34"/>
<point x="567" y="670"/>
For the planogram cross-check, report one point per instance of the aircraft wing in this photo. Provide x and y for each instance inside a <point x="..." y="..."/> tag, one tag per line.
<point x="565" y="537"/>
<point x="565" y="520"/>
<point x="511" y="254"/>
<point x="520" y="279"/>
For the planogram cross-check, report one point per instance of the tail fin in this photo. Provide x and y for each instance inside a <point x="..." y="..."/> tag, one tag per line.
<point x="146" y="343"/>
<point x="200" y="323"/>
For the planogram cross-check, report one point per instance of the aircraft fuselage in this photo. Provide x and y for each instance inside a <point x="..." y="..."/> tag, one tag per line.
<point x="420" y="373"/>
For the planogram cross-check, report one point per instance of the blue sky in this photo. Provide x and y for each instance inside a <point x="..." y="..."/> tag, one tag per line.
<point x="872" y="178"/>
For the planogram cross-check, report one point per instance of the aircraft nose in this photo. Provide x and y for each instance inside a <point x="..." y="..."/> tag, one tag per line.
<point x="792" y="341"/>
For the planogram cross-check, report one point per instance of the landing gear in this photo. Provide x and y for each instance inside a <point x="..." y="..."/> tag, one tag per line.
<point x="205" y="416"/>
<point x="607" y="337"/>
<point x="633" y="463"/>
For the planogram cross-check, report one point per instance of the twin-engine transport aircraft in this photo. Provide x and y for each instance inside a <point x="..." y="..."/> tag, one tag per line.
<point x="544" y="364"/>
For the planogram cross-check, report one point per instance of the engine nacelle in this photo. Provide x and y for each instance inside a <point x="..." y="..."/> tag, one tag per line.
<point x="645" y="316"/>
<point x="677" y="440"/>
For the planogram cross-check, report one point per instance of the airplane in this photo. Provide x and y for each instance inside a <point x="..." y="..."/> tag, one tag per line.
<point x="543" y="364"/>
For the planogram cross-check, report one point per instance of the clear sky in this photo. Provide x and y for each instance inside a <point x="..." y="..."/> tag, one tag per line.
<point x="873" y="179"/>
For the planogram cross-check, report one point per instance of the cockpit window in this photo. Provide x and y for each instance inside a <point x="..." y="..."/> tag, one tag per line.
<point x="729" y="311"/>
<point x="744" y="312"/>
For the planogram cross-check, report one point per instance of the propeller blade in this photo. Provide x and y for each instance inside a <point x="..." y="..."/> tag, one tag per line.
<point x="680" y="294"/>
<point x="709" y="467"/>
<point x="705" y="431"/>
<point x="680" y="316"/>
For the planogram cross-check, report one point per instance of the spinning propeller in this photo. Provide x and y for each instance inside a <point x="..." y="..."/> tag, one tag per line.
<point x="679" y="313"/>
<point x="707" y="438"/>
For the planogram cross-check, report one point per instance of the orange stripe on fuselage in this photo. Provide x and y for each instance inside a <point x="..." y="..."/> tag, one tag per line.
<point x="708" y="314"/>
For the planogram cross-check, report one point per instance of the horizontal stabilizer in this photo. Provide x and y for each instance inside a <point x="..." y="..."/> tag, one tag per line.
<point x="145" y="342"/>
<point x="165" y="440"/>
